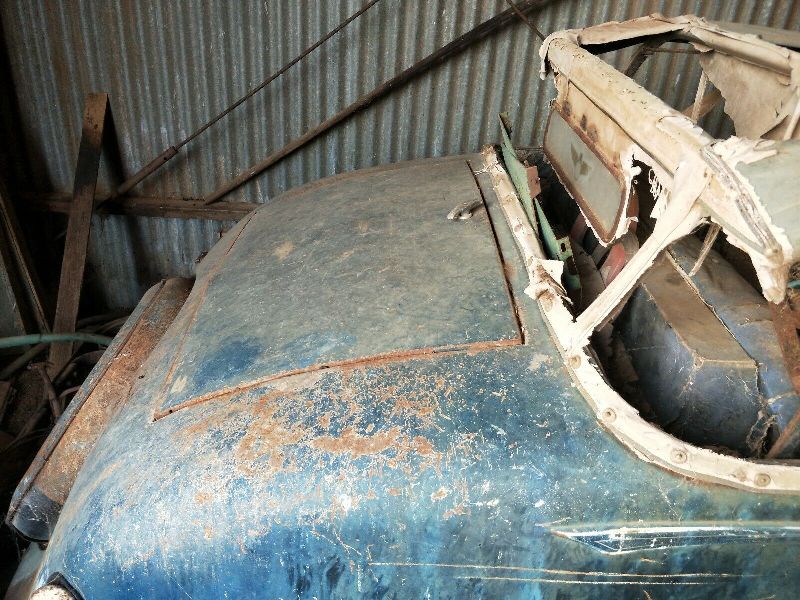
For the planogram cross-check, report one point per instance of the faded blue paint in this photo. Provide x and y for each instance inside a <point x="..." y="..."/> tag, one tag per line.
<point x="368" y="267"/>
<point x="232" y="358"/>
<point x="519" y="454"/>
<point x="746" y="314"/>
<point x="456" y="474"/>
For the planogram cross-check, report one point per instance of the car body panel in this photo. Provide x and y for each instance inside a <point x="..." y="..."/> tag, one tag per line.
<point x="468" y="448"/>
<point x="366" y="268"/>
<point x="446" y="474"/>
<point x="45" y="486"/>
<point x="460" y="473"/>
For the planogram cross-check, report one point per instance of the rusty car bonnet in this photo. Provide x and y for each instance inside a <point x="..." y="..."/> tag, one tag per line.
<point x="398" y="474"/>
<point x="357" y="394"/>
<point x="276" y="308"/>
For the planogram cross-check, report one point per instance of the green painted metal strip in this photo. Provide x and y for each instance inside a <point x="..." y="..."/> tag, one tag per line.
<point x="557" y="247"/>
<point x="516" y="170"/>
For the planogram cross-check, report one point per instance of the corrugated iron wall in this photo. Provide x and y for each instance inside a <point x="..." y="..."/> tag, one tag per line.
<point x="168" y="66"/>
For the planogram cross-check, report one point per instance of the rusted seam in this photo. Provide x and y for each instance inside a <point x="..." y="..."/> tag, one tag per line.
<point x="350" y="362"/>
<point x="57" y="433"/>
<point x="512" y="301"/>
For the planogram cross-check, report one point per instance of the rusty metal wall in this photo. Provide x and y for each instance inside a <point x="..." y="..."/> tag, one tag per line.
<point x="168" y="66"/>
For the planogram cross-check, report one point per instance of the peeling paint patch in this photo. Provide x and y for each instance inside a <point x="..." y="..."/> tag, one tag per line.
<point x="440" y="494"/>
<point x="283" y="250"/>
<point x="538" y="360"/>
<point x="457" y="510"/>
<point x="179" y="384"/>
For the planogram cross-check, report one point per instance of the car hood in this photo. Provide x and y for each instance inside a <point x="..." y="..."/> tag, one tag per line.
<point x="472" y="469"/>
<point x="366" y="265"/>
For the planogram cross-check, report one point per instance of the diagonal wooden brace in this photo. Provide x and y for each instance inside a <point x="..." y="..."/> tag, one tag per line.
<point x="78" y="228"/>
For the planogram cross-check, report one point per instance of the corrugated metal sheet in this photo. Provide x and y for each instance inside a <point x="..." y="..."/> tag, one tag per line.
<point x="169" y="66"/>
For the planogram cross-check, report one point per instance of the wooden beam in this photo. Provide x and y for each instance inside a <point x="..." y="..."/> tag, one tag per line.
<point x="145" y="206"/>
<point x="13" y="316"/>
<point x="19" y="264"/>
<point x="78" y="228"/>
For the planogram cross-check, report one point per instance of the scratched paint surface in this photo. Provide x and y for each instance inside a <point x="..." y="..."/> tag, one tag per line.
<point x="367" y="267"/>
<point x="457" y="474"/>
<point x="359" y="482"/>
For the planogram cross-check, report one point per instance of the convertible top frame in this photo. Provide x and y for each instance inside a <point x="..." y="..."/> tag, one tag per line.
<point x="698" y="180"/>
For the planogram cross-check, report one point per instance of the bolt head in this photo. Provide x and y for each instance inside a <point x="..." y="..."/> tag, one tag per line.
<point x="762" y="480"/>
<point x="608" y="415"/>
<point x="678" y="455"/>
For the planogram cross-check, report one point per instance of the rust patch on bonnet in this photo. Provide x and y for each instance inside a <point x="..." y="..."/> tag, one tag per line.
<point x="422" y="446"/>
<point x="440" y="494"/>
<point x="343" y="365"/>
<point x="346" y="429"/>
<point x="357" y="445"/>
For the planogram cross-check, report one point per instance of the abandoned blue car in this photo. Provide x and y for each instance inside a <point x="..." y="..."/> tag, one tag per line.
<point x="521" y="373"/>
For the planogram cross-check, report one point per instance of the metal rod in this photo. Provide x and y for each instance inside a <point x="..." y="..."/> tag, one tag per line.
<point x="786" y="322"/>
<point x="50" y="392"/>
<point x="672" y="51"/>
<point x="171" y="208"/>
<point x="525" y="19"/>
<point x="709" y="101"/>
<point x="644" y="50"/>
<point x="478" y="33"/>
<point x="698" y="97"/>
<point x="708" y="242"/>
<point x="12" y="367"/>
<point x="158" y="162"/>
<point x="789" y="431"/>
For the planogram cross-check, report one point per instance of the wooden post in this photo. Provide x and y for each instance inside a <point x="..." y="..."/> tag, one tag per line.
<point x="78" y="227"/>
<point x="22" y="276"/>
